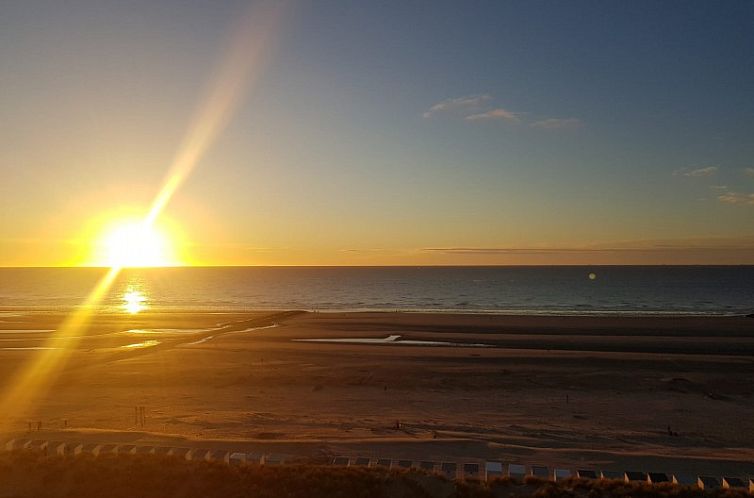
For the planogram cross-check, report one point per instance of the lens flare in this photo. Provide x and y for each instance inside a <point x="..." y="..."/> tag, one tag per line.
<point x="241" y="65"/>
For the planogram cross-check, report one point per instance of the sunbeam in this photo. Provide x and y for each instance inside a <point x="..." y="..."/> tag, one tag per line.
<point x="241" y="65"/>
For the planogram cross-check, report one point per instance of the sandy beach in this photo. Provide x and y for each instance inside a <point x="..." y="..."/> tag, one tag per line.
<point x="600" y="392"/>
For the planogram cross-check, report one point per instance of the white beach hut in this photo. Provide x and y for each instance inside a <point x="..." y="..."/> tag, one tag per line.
<point x="449" y="470"/>
<point x="105" y="449"/>
<point x="708" y="482"/>
<point x="516" y="471"/>
<point x="684" y="479"/>
<point x="540" y="472"/>
<point x="471" y="471"/>
<point x="611" y="475"/>
<point x="182" y="453"/>
<point x="586" y="474"/>
<point x="493" y="470"/>
<point x="733" y="483"/>
<point x="633" y="476"/>
<point x="561" y="474"/>
<point x="237" y="459"/>
<point x="125" y="449"/>
<point x="657" y="478"/>
<point x="16" y="444"/>
<point x="86" y="449"/>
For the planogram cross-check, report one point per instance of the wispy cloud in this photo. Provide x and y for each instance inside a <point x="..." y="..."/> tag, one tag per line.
<point x="699" y="172"/>
<point x="557" y="124"/>
<point x="480" y="108"/>
<point x="644" y="246"/>
<point x="464" y="105"/>
<point x="749" y="172"/>
<point x="737" y="198"/>
<point x="496" y="114"/>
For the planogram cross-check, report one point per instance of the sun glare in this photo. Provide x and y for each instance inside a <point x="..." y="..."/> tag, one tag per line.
<point x="136" y="244"/>
<point x="134" y="301"/>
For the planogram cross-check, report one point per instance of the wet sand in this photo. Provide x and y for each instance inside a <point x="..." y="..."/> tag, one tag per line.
<point x="574" y="391"/>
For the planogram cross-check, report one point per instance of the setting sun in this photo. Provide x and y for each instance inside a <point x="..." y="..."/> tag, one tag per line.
<point x="136" y="244"/>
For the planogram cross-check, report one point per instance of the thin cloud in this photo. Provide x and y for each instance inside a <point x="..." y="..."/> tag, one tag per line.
<point x="557" y="124"/>
<point x="479" y="108"/>
<point x="736" y="198"/>
<point x="639" y="246"/>
<point x="749" y="172"/>
<point x="698" y="173"/>
<point x="494" y="114"/>
<point x="469" y="103"/>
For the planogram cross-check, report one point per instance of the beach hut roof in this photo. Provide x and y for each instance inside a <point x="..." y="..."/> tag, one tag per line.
<point x="658" y="477"/>
<point x="733" y="482"/>
<point x="540" y="471"/>
<point x="708" y="482"/>
<point x="560" y="474"/>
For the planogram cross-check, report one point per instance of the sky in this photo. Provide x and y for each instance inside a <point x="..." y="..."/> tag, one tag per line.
<point x="381" y="133"/>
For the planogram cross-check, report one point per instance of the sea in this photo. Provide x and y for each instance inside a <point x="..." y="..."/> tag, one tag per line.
<point x="527" y="290"/>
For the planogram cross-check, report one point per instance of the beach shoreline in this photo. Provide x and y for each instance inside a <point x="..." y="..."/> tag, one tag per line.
<point x="673" y="392"/>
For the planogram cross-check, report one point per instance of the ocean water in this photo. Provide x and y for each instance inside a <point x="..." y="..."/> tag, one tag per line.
<point x="514" y="290"/>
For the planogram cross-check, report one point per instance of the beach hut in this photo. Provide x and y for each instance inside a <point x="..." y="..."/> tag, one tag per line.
<point x="104" y="449"/>
<point x="161" y="450"/>
<point x="657" y="478"/>
<point x="751" y="485"/>
<point x="539" y="471"/>
<point x="86" y="449"/>
<point x="427" y="466"/>
<point x="198" y="455"/>
<point x="383" y="462"/>
<point x="237" y="459"/>
<point x="516" y="471"/>
<point x="361" y="462"/>
<point x="57" y="448"/>
<point x="254" y="458"/>
<point x="16" y="444"/>
<point x="493" y="470"/>
<point x="341" y="461"/>
<point x="179" y="452"/>
<point x="733" y="483"/>
<point x="633" y="476"/>
<point x="143" y="450"/>
<point x="125" y="449"/>
<point x="561" y="474"/>
<point x="708" y="482"/>
<point x="219" y="456"/>
<point x="612" y="475"/>
<point x="684" y="479"/>
<point x="449" y="470"/>
<point x="37" y="445"/>
<point x="404" y="464"/>
<point x="274" y="459"/>
<point x="586" y="474"/>
<point x="471" y="471"/>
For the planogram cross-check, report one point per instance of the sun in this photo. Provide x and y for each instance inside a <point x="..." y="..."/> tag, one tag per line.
<point x="136" y="244"/>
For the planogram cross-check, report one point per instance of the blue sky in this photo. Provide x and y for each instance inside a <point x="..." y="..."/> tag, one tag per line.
<point x="379" y="130"/>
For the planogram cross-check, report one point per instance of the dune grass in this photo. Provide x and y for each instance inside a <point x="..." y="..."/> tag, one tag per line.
<point x="26" y="474"/>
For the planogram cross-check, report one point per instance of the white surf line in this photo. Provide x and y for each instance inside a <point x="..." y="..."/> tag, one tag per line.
<point x="29" y="348"/>
<point x="394" y="340"/>
<point x="26" y="331"/>
<point x="168" y="331"/>
<point x="200" y="341"/>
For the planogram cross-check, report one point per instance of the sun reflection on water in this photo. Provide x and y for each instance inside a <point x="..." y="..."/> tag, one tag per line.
<point x="134" y="301"/>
